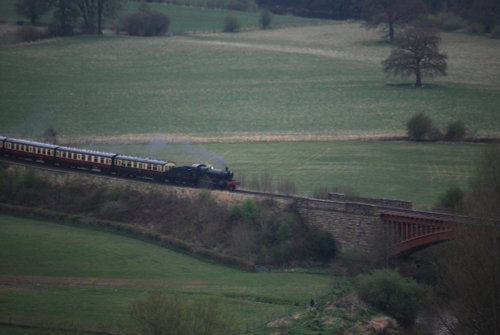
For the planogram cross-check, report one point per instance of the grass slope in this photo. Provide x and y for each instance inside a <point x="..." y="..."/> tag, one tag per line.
<point x="36" y="248"/>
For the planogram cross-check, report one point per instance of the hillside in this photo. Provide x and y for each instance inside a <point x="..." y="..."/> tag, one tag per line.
<point x="55" y="273"/>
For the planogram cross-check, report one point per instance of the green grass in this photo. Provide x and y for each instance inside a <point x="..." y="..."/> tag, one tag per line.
<point x="295" y="81"/>
<point x="311" y="81"/>
<point x="184" y="19"/>
<point x="36" y="248"/>
<point x="418" y="172"/>
<point x="195" y="19"/>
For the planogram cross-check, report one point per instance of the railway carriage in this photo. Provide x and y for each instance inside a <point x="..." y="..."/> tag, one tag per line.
<point x="201" y="175"/>
<point x="2" y="140"/>
<point x="142" y="167"/>
<point x="76" y="158"/>
<point x="29" y="149"/>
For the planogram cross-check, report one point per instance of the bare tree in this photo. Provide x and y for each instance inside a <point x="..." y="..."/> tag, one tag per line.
<point x="417" y="54"/>
<point x="32" y="9"/>
<point x="391" y="13"/>
<point x="94" y="12"/>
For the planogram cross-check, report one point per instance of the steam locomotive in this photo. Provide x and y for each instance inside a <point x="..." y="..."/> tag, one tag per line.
<point x="197" y="175"/>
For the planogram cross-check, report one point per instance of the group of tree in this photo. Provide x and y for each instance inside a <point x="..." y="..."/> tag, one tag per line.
<point x="254" y="232"/>
<point x="420" y="127"/>
<point x="468" y="269"/>
<point x="391" y="13"/>
<point x="66" y="13"/>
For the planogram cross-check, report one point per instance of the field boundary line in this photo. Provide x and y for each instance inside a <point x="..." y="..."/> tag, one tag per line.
<point x="244" y="138"/>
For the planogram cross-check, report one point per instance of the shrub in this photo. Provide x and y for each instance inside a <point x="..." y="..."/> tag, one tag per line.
<point x="453" y="199"/>
<point x="265" y="19"/>
<point x="158" y="314"/>
<point x="495" y="32"/>
<point x="30" y="34"/>
<point x="392" y="293"/>
<point x="231" y="24"/>
<point x="448" y="21"/>
<point x="146" y="23"/>
<point x="419" y="127"/>
<point x="455" y="131"/>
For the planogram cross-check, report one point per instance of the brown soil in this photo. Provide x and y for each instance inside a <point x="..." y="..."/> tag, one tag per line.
<point x="178" y="138"/>
<point x="101" y="282"/>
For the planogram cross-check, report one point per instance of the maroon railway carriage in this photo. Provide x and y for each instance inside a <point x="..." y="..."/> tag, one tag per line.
<point x="74" y="157"/>
<point x="29" y="149"/>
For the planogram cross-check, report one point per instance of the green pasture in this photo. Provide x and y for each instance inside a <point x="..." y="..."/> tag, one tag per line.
<point x="38" y="248"/>
<point x="417" y="172"/>
<point x="186" y="19"/>
<point x="315" y="80"/>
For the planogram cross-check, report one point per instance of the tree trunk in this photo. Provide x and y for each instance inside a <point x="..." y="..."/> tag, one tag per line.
<point x="391" y="31"/>
<point x="99" y="17"/>
<point x="418" y="75"/>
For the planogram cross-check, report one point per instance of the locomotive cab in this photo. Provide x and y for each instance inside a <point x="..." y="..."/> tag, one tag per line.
<point x="221" y="178"/>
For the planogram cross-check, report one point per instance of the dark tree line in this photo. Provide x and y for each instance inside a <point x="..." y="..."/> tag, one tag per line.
<point x="483" y="12"/>
<point x="327" y="9"/>
<point x="66" y="13"/>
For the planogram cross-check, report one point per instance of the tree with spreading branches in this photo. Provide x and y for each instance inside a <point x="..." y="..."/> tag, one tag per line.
<point x="391" y="14"/>
<point x="417" y="54"/>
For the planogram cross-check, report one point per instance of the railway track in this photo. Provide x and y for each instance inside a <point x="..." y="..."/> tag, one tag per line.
<point x="99" y="174"/>
<point x="387" y="210"/>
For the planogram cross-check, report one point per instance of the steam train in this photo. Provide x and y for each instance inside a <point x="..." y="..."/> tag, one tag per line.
<point x="198" y="175"/>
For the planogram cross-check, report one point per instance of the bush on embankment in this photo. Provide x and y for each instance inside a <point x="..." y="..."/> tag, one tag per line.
<point x="249" y="232"/>
<point x="391" y="293"/>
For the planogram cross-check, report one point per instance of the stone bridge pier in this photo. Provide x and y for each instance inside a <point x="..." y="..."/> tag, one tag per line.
<point x="353" y="225"/>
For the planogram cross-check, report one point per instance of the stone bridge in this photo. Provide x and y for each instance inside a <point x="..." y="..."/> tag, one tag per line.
<point x="377" y="225"/>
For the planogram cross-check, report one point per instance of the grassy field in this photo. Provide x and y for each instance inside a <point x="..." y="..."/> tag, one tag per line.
<point x="184" y="19"/>
<point x="321" y="80"/>
<point x="116" y="270"/>
<point x="416" y="172"/>
<point x="307" y="83"/>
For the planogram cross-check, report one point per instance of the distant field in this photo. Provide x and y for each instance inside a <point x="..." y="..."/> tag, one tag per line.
<point x="106" y="272"/>
<point x="420" y="173"/>
<point x="321" y="80"/>
<point x="308" y="83"/>
<point x="183" y="18"/>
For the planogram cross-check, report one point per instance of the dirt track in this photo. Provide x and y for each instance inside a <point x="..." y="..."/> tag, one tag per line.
<point x="101" y="282"/>
<point x="178" y="138"/>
